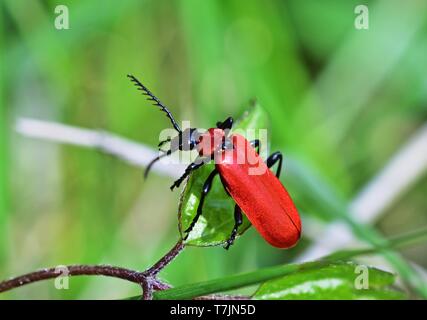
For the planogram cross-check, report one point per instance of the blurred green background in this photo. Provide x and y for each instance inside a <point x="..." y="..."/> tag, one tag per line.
<point x="341" y="102"/>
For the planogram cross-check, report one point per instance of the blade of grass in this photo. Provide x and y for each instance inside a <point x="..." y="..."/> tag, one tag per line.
<point x="400" y="241"/>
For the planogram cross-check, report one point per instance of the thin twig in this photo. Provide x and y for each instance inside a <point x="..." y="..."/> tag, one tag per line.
<point x="84" y="270"/>
<point x="222" y="297"/>
<point x="73" y="270"/>
<point x="147" y="290"/>
<point x="165" y="260"/>
<point x="147" y="279"/>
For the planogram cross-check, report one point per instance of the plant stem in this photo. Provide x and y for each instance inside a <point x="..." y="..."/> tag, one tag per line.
<point x="73" y="270"/>
<point x="147" y="290"/>
<point x="223" y="297"/>
<point x="147" y="279"/>
<point x="166" y="259"/>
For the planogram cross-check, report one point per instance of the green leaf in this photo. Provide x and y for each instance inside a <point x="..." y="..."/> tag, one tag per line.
<point x="215" y="224"/>
<point x="332" y="281"/>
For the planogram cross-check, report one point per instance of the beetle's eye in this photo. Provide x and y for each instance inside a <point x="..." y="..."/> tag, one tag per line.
<point x="227" y="144"/>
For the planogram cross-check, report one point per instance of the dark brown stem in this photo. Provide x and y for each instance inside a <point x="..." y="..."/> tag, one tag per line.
<point x="165" y="260"/>
<point x="147" y="290"/>
<point x="222" y="297"/>
<point x="74" y="270"/>
<point x="147" y="279"/>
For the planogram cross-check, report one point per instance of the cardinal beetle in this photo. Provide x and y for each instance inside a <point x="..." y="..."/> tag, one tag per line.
<point x="261" y="197"/>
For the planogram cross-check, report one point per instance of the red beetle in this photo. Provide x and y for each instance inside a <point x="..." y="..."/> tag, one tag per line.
<point x="260" y="195"/>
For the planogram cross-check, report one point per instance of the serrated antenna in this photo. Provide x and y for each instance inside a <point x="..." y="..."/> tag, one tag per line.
<point x="151" y="97"/>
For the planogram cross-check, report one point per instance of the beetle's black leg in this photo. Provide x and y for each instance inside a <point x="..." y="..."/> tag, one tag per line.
<point x="256" y="144"/>
<point x="167" y="153"/>
<point x="206" y="188"/>
<point x="238" y="219"/>
<point x="164" y="141"/>
<point x="193" y="166"/>
<point x="227" y="124"/>
<point x="272" y="159"/>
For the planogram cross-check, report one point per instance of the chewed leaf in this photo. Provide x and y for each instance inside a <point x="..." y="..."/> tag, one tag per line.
<point x="216" y="223"/>
<point x="334" y="281"/>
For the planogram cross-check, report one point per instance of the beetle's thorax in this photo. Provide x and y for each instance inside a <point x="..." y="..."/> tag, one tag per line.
<point x="237" y="151"/>
<point x="210" y="141"/>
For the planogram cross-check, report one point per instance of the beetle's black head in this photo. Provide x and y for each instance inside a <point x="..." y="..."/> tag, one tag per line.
<point x="185" y="140"/>
<point x="189" y="138"/>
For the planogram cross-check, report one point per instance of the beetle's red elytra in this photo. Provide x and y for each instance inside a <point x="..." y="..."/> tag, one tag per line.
<point x="258" y="193"/>
<point x="262" y="197"/>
